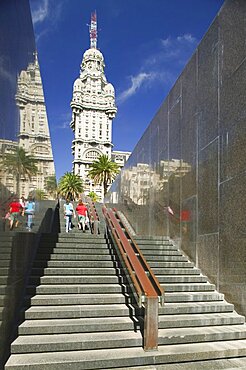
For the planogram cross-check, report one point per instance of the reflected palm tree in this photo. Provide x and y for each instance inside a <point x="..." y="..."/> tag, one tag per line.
<point x="51" y="186"/>
<point x="20" y="165"/>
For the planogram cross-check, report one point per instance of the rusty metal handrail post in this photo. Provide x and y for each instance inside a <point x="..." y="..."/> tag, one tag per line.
<point x="151" y="323"/>
<point x="93" y="216"/>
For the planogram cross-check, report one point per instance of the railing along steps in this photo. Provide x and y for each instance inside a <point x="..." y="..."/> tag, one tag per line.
<point x="80" y="317"/>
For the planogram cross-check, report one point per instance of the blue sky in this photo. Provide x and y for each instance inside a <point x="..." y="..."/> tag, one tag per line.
<point x="145" y="43"/>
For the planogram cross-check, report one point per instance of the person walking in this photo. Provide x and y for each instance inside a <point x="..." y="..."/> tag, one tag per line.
<point x="29" y="211"/>
<point x="82" y="214"/>
<point x="15" y="209"/>
<point x="68" y="213"/>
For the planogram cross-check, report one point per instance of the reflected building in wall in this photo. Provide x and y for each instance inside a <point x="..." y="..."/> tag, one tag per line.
<point x="34" y="134"/>
<point x="196" y="143"/>
<point x="21" y="96"/>
<point x="137" y="182"/>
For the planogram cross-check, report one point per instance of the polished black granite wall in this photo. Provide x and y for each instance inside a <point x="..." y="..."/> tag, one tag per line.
<point x="17" y="45"/>
<point x="192" y="156"/>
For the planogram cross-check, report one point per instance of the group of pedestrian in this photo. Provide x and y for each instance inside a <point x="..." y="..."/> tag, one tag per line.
<point x="19" y="208"/>
<point x="81" y="212"/>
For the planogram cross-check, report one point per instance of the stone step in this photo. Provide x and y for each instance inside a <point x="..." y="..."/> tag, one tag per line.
<point x="73" y="271"/>
<point x="193" y="296"/>
<point x="4" y="271"/>
<point x="81" y="244"/>
<point x="4" y="289"/>
<point x="98" y="251"/>
<point x="5" y="243"/>
<point x="159" y="247"/>
<point x="5" y="255"/>
<point x="118" y="357"/>
<point x="89" y="238"/>
<point x="163" y="258"/>
<point x="74" y="257"/>
<point x="152" y="242"/>
<point x="76" y="311"/>
<point x="71" y="279"/>
<point x="224" y="364"/>
<point x="81" y="325"/>
<point x="3" y="280"/>
<point x="195" y="307"/>
<point x="75" y="341"/>
<point x="190" y="287"/>
<point x="96" y="340"/>
<point x="66" y="263"/>
<point x="77" y="299"/>
<point x="181" y="279"/>
<point x="73" y="289"/>
<point x="195" y="320"/>
<point x="172" y="264"/>
<point x="151" y="237"/>
<point x="5" y="263"/>
<point x="176" y="271"/>
<point x="2" y="299"/>
<point x="161" y="252"/>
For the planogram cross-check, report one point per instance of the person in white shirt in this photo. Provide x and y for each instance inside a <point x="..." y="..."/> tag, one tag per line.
<point x="68" y="213"/>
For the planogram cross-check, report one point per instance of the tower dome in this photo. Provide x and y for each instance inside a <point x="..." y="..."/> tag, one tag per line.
<point x="93" y="54"/>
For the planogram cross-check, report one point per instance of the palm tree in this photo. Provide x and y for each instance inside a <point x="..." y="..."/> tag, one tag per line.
<point x="103" y="171"/>
<point x="70" y="186"/>
<point x="51" y="185"/>
<point x="93" y="196"/>
<point x="39" y="194"/>
<point x="20" y="164"/>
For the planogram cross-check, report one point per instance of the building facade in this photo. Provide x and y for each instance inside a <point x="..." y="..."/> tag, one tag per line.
<point x="93" y="110"/>
<point x="34" y="135"/>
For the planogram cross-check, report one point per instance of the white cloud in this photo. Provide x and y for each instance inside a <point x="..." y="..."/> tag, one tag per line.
<point x="41" y="13"/>
<point x="166" y="42"/>
<point x="5" y="73"/>
<point x="136" y="83"/>
<point x="63" y="122"/>
<point x="46" y="15"/>
<point x="187" y="37"/>
<point x="163" y="66"/>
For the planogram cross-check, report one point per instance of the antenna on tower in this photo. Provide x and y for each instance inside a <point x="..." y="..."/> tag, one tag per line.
<point x="93" y="30"/>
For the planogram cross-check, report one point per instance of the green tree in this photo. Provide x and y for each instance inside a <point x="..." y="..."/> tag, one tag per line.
<point x="38" y="194"/>
<point x="93" y="196"/>
<point x="51" y="186"/>
<point x="103" y="171"/>
<point x="20" y="165"/>
<point x="70" y="186"/>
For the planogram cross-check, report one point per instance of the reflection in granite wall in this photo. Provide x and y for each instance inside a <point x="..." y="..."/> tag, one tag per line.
<point x="17" y="47"/>
<point x="186" y="176"/>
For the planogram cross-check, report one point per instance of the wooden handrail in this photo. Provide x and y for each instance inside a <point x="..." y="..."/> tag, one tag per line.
<point x="155" y="281"/>
<point x="93" y="216"/>
<point x="145" y="284"/>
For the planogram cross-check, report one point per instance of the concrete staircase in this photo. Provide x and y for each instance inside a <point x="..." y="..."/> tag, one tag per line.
<point x="81" y="315"/>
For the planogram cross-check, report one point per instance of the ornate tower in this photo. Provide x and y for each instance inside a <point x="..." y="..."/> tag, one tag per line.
<point x="34" y="135"/>
<point x="93" y="109"/>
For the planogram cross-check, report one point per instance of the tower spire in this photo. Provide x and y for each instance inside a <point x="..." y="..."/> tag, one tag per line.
<point x="93" y="30"/>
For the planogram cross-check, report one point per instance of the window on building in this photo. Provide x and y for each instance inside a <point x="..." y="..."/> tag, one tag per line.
<point x="92" y="154"/>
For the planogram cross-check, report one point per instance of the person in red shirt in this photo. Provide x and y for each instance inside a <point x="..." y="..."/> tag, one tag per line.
<point x="82" y="214"/>
<point x="15" y="209"/>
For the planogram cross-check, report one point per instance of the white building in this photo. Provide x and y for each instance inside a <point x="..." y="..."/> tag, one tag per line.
<point x="34" y="135"/>
<point x="93" y="109"/>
